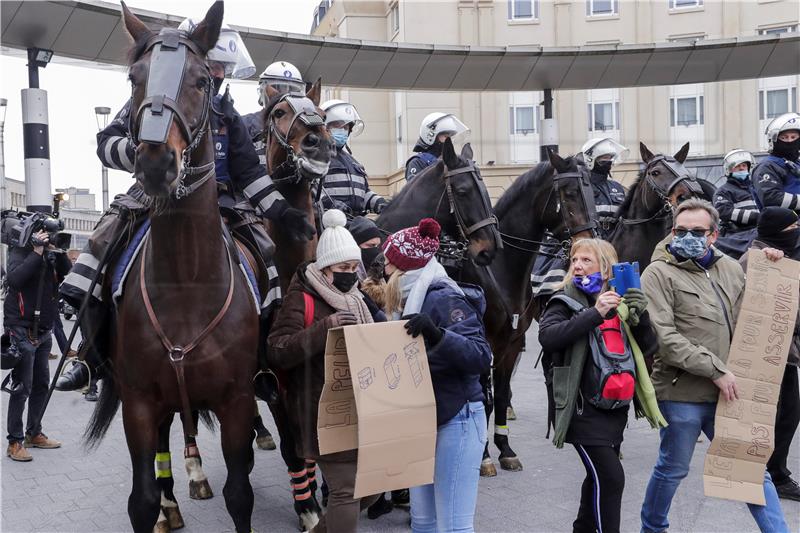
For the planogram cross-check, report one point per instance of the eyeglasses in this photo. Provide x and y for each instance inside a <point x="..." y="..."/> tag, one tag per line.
<point x="697" y="232"/>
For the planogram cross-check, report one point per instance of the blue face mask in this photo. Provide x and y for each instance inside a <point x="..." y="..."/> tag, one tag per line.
<point x="689" y="246"/>
<point x="741" y="175"/>
<point x="340" y="136"/>
<point x="591" y="284"/>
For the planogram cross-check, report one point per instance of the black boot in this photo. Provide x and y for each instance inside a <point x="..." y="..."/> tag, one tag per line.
<point x="75" y="378"/>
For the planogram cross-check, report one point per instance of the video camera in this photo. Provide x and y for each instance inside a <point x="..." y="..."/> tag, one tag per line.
<point x="18" y="227"/>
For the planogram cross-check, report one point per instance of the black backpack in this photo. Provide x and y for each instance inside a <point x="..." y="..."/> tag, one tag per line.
<point x="612" y="374"/>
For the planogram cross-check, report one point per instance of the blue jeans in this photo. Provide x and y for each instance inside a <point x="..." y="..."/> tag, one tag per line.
<point x="448" y="505"/>
<point x="686" y="421"/>
<point x="33" y="372"/>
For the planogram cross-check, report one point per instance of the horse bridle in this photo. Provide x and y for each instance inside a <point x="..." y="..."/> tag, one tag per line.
<point x="454" y="249"/>
<point x="306" y="112"/>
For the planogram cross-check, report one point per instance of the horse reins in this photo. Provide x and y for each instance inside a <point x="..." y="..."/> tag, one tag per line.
<point x="177" y="352"/>
<point x="306" y="112"/>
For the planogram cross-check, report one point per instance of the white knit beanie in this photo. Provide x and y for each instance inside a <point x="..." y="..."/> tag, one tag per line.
<point x="336" y="245"/>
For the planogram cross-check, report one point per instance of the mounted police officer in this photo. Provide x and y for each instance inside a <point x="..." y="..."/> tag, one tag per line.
<point x="282" y="77"/>
<point x="435" y="128"/>
<point x="346" y="186"/>
<point x="734" y="199"/>
<point x="776" y="178"/>
<point x="599" y="155"/>
<point x="239" y="176"/>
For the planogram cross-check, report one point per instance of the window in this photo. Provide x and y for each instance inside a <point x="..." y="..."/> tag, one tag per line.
<point x="686" y="111"/>
<point x="778" y="30"/>
<point x="522" y="119"/>
<point x="394" y="16"/>
<point x="685" y="4"/>
<point x="603" y="116"/>
<point x="601" y="8"/>
<point x="776" y="102"/>
<point x="523" y="9"/>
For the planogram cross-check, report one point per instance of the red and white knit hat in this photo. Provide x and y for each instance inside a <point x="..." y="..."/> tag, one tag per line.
<point x="412" y="248"/>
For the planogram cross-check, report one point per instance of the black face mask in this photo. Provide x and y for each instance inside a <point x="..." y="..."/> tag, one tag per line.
<point x="786" y="150"/>
<point x="784" y="240"/>
<point x="344" y="281"/>
<point x="368" y="256"/>
<point x="217" y="84"/>
<point x="602" y="168"/>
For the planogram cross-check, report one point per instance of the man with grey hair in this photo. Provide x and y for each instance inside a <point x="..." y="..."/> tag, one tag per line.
<point x="693" y="293"/>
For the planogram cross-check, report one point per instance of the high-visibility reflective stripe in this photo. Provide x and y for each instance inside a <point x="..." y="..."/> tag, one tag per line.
<point x="122" y="152"/>
<point x="789" y="201"/>
<point x="745" y="203"/>
<point x="344" y="191"/>
<point x="501" y="430"/>
<point x="736" y="215"/>
<point x="163" y="465"/>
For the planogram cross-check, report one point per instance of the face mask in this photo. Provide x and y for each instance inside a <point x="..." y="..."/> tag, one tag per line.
<point x="591" y="284"/>
<point x="344" y="281"/>
<point x="602" y="167"/>
<point x="789" y="150"/>
<point x="689" y="246"/>
<point x="217" y="84"/>
<point x="340" y="136"/>
<point x="368" y="256"/>
<point x="741" y="175"/>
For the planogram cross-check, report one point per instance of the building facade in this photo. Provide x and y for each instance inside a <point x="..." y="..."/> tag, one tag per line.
<point x="713" y="117"/>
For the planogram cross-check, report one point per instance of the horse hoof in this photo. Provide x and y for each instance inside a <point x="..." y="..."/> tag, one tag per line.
<point x="487" y="468"/>
<point x="200" y="490"/>
<point x="265" y="443"/>
<point x="510" y="414"/>
<point x="512" y="464"/>
<point x="174" y="518"/>
<point x="162" y="526"/>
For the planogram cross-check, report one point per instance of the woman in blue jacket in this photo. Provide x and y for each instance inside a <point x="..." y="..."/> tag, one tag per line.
<point x="449" y="318"/>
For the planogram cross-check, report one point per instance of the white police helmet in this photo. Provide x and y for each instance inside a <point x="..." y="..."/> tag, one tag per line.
<point x="341" y="111"/>
<point x="229" y="50"/>
<point x="283" y="77"/>
<point x="785" y="122"/>
<point x="735" y="157"/>
<point x="600" y="146"/>
<point x="435" y="124"/>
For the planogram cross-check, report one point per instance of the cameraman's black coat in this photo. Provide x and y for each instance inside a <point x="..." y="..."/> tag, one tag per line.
<point x="24" y="271"/>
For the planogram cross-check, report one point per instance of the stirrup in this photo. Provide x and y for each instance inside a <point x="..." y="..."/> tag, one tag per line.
<point x="76" y="361"/>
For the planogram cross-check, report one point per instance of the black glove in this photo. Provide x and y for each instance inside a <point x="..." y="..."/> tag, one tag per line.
<point x="380" y="205"/>
<point x="296" y="223"/>
<point x="422" y="324"/>
<point x="637" y="303"/>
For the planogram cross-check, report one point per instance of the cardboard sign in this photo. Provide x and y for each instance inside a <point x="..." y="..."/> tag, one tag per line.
<point x="378" y="397"/>
<point x="744" y="429"/>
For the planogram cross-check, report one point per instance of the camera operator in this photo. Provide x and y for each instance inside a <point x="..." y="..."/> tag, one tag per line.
<point x="30" y="308"/>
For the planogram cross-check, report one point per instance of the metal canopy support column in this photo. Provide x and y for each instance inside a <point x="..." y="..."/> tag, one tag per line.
<point x="36" y="140"/>
<point x="548" y="137"/>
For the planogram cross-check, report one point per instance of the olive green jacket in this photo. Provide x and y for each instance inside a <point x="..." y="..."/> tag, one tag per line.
<point x="693" y="313"/>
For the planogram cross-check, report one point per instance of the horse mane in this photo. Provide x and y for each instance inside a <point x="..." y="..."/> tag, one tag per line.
<point x="525" y="185"/>
<point x="626" y="204"/>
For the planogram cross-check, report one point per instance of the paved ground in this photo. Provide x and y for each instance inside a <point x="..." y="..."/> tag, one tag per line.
<point x="73" y="490"/>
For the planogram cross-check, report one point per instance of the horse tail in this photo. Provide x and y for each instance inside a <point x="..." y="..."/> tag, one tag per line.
<point x="104" y="412"/>
<point x="208" y="419"/>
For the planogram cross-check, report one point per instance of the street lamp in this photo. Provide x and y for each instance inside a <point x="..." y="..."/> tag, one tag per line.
<point x="101" y="116"/>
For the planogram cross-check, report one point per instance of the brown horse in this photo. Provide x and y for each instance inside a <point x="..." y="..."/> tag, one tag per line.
<point x="187" y="327"/>
<point x="299" y="149"/>
<point x="554" y="196"/>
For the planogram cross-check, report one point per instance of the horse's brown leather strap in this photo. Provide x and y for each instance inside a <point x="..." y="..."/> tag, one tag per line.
<point x="177" y="353"/>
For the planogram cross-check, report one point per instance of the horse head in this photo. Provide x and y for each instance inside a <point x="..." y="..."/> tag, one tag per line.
<point x="298" y="144"/>
<point x="571" y="216"/>
<point x="667" y="178"/>
<point x="471" y="216"/>
<point x="171" y="93"/>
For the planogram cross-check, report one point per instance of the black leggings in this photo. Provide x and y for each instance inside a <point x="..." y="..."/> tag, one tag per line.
<point x="601" y="492"/>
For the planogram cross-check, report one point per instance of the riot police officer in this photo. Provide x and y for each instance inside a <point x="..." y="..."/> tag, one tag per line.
<point x="599" y="155"/>
<point x="239" y="175"/>
<point x="776" y="178"/>
<point x="734" y="199"/>
<point x="434" y="129"/>
<point x="346" y="186"/>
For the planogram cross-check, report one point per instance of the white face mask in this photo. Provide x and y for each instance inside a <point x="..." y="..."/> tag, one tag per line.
<point x="340" y="136"/>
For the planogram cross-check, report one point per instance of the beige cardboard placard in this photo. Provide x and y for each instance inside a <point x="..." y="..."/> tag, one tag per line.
<point x="378" y="397"/>
<point x="744" y="429"/>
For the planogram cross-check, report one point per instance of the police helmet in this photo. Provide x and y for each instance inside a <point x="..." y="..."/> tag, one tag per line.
<point x="435" y="124"/>
<point x="341" y="111"/>
<point x="735" y="157"/>
<point x="600" y="146"/>
<point x="230" y="51"/>
<point x="785" y="122"/>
